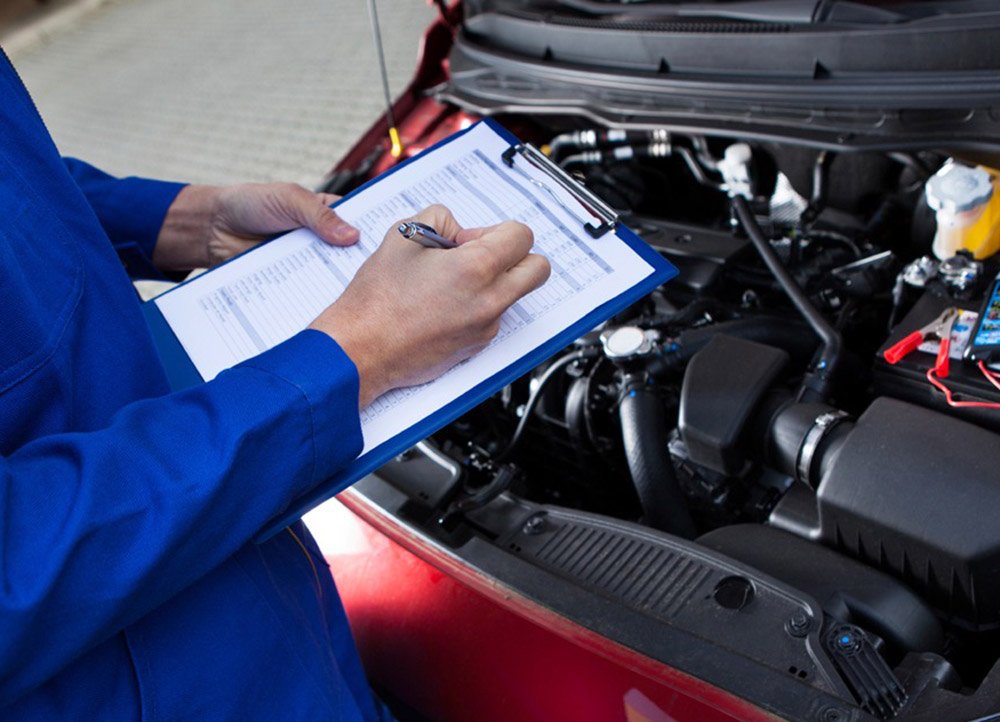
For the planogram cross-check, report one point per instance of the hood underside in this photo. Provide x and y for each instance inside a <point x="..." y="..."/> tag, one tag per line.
<point x="853" y="76"/>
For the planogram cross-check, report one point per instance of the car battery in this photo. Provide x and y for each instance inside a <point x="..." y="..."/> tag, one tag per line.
<point x="907" y="379"/>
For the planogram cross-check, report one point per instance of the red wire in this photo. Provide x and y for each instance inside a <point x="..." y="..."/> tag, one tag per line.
<point x="949" y="397"/>
<point x="991" y="376"/>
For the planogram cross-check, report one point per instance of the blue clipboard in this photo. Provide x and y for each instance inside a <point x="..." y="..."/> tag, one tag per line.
<point x="182" y="373"/>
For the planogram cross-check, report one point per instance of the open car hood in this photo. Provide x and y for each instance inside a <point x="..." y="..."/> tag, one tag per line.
<point x="829" y="74"/>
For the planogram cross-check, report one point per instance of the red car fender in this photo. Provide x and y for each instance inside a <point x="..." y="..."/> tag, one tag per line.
<point x="457" y="645"/>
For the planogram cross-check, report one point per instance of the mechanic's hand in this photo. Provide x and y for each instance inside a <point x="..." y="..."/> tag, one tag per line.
<point x="411" y="313"/>
<point x="207" y="225"/>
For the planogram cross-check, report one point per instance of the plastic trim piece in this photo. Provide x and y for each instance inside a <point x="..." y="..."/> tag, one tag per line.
<point x="710" y="656"/>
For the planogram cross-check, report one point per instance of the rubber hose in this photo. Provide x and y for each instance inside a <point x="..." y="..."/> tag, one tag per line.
<point x="819" y="385"/>
<point x="644" y="434"/>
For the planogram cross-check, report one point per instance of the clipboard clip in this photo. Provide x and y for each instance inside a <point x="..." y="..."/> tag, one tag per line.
<point x="606" y="216"/>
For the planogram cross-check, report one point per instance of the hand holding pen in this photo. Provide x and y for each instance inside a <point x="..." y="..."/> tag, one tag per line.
<point x="411" y="313"/>
<point x="425" y="235"/>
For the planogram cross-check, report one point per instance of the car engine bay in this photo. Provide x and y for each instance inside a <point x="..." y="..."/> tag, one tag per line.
<point x="790" y="451"/>
<point x="747" y="405"/>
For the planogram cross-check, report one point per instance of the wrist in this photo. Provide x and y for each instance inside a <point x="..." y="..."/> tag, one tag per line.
<point x="365" y="351"/>
<point x="182" y="243"/>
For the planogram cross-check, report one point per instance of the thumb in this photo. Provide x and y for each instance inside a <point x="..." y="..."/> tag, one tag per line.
<point x="311" y="210"/>
<point x="334" y="229"/>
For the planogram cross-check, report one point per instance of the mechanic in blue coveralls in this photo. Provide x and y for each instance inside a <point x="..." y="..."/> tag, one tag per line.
<point x="129" y="587"/>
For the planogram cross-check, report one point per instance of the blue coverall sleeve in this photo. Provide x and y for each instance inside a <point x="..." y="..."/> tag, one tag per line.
<point x="100" y="528"/>
<point x="131" y="211"/>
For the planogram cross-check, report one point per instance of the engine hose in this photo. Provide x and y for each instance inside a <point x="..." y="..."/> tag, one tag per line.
<point x="790" y="335"/>
<point x="581" y="139"/>
<point x="644" y="434"/>
<point x="618" y="154"/>
<point x="817" y="385"/>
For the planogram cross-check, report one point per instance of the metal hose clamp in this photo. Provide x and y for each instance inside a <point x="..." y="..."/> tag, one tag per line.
<point x="822" y="426"/>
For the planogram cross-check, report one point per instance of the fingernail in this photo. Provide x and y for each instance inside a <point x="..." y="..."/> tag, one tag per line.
<point x="344" y="232"/>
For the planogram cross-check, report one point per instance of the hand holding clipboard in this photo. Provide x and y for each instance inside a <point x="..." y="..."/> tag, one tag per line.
<point x="485" y="176"/>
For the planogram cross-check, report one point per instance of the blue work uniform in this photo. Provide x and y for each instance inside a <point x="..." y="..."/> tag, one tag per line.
<point x="128" y="587"/>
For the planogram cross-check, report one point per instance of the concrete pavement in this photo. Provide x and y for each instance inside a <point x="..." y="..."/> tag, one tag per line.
<point x="219" y="91"/>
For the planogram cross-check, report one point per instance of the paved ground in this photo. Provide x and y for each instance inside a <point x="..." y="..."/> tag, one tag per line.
<point x="15" y="15"/>
<point x="219" y="91"/>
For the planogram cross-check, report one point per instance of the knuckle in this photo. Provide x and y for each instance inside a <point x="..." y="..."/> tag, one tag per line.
<point x="495" y="302"/>
<point x="518" y="232"/>
<point x="433" y="214"/>
<point x="494" y="261"/>
<point x="477" y="267"/>
<point x="467" y="274"/>
<point x="485" y="326"/>
<point x="486" y="312"/>
<point x="494" y="267"/>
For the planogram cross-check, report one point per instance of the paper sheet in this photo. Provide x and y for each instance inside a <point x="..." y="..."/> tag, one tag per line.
<point x="265" y="297"/>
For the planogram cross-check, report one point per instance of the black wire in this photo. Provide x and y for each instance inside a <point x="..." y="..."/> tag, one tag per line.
<point x="836" y="238"/>
<point x="588" y="415"/>
<point x="536" y="396"/>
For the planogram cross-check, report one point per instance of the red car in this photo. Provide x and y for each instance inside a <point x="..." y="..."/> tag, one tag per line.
<point x="750" y="501"/>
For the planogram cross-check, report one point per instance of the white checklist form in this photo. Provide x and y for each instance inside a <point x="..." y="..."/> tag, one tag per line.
<point x="264" y="297"/>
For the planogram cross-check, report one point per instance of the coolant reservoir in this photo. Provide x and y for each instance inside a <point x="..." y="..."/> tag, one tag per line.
<point x="968" y="210"/>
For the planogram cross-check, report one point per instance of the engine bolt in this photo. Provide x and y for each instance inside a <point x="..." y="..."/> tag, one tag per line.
<point x="831" y="714"/>
<point x="534" y="525"/>
<point x="798" y="624"/>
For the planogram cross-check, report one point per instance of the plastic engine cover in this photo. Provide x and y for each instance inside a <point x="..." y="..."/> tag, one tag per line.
<point x="917" y="493"/>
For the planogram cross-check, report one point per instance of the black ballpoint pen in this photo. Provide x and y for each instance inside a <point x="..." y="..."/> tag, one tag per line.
<point x="425" y="235"/>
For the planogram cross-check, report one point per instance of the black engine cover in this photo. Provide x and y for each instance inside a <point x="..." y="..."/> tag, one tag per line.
<point x="917" y="494"/>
